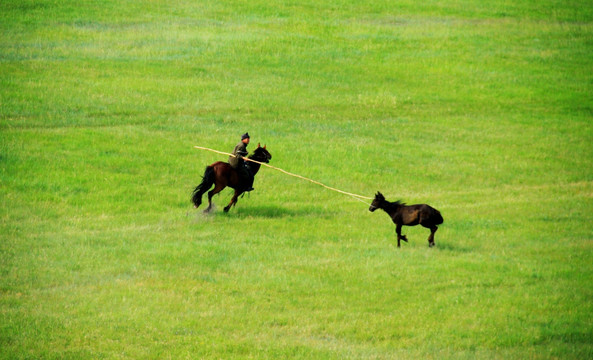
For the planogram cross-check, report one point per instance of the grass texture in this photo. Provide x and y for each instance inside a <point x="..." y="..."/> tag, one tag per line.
<point x="481" y="109"/>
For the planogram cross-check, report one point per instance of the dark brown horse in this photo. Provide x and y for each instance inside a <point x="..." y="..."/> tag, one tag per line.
<point x="409" y="215"/>
<point x="221" y="174"/>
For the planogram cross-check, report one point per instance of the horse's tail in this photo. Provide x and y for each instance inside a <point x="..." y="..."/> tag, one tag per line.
<point x="207" y="182"/>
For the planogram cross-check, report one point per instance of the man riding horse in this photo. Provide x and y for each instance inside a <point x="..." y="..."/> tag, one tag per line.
<point x="239" y="164"/>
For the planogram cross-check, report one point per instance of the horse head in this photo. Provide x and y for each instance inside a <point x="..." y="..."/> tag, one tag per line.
<point x="261" y="154"/>
<point x="377" y="202"/>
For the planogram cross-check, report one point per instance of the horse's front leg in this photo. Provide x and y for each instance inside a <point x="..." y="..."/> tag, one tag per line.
<point x="398" y="231"/>
<point x="233" y="200"/>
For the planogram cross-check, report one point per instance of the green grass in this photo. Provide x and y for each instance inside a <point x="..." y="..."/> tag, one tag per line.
<point x="481" y="109"/>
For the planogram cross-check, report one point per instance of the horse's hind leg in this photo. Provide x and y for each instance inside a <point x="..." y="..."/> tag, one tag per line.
<point x="233" y="201"/>
<point x="211" y="193"/>
<point x="433" y="229"/>
<point x="218" y="188"/>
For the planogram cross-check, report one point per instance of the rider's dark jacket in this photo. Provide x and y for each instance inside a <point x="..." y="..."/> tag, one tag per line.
<point x="240" y="151"/>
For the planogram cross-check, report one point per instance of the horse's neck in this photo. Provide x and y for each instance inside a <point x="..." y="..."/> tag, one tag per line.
<point x="391" y="207"/>
<point x="254" y="167"/>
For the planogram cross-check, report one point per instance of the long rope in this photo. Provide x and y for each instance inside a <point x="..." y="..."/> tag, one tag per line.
<point x="355" y="196"/>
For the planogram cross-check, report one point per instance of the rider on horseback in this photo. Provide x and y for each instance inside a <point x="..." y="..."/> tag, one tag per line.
<point x="239" y="164"/>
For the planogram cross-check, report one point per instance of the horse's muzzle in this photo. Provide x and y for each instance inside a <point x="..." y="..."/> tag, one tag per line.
<point x="372" y="208"/>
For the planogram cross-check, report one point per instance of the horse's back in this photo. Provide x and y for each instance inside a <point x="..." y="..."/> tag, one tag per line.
<point x="225" y="173"/>
<point x="430" y="213"/>
<point x="220" y="164"/>
<point x="221" y="167"/>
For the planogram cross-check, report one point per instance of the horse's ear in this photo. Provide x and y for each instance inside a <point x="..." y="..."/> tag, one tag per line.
<point x="264" y="146"/>
<point x="258" y="145"/>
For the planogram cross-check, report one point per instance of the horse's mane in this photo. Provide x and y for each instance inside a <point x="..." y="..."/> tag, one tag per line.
<point x="259" y="149"/>
<point x="394" y="205"/>
<point x="261" y="155"/>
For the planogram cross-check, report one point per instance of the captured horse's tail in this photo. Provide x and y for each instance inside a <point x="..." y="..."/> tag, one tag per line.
<point x="207" y="182"/>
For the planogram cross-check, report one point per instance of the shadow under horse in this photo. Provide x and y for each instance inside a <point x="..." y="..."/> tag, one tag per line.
<point x="221" y="174"/>
<point x="409" y="215"/>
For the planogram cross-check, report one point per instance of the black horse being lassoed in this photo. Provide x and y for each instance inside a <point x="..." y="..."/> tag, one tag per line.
<point x="221" y="174"/>
<point x="409" y="215"/>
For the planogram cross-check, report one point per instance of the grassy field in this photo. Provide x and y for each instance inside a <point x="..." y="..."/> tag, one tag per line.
<point x="483" y="109"/>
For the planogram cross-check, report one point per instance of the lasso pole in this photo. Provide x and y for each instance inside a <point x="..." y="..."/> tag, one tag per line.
<point x="356" y="196"/>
